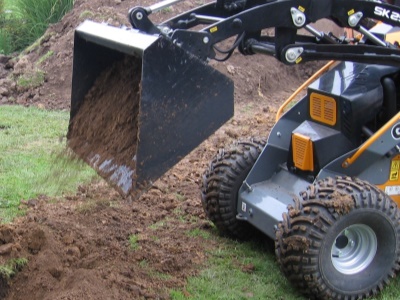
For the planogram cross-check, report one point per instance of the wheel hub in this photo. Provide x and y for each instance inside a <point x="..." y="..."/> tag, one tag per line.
<point x="354" y="249"/>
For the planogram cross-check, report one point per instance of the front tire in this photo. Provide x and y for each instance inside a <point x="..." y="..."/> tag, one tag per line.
<point x="221" y="184"/>
<point x="341" y="241"/>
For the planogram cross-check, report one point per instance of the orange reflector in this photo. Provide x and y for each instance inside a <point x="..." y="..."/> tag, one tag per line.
<point x="302" y="152"/>
<point x="323" y="109"/>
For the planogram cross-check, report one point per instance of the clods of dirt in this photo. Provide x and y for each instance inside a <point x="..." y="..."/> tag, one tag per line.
<point x="341" y="203"/>
<point x="83" y="248"/>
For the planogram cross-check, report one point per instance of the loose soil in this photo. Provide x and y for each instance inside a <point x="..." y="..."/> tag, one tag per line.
<point x="95" y="244"/>
<point x="111" y="106"/>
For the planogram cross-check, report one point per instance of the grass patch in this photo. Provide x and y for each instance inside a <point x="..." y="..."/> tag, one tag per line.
<point x="9" y="269"/>
<point x="248" y="271"/>
<point x="33" y="158"/>
<point x="159" y="224"/>
<point x="134" y="242"/>
<point x="45" y="57"/>
<point x="239" y="271"/>
<point x="31" y="80"/>
<point x="197" y="232"/>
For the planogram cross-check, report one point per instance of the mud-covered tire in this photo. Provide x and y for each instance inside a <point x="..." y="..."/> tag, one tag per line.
<point x="340" y="241"/>
<point x="221" y="184"/>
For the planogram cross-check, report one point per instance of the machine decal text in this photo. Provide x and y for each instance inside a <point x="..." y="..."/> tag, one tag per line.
<point x="387" y="13"/>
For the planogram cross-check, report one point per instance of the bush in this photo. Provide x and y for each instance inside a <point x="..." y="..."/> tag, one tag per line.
<point x="11" y="34"/>
<point x="28" y="21"/>
<point x="5" y="41"/>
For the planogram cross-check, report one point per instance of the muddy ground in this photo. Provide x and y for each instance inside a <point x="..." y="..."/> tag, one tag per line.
<point x="78" y="246"/>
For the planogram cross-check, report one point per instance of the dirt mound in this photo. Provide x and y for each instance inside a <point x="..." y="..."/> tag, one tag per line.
<point x="43" y="75"/>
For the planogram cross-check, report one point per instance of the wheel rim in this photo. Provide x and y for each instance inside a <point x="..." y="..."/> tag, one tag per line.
<point x="354" y="249"/>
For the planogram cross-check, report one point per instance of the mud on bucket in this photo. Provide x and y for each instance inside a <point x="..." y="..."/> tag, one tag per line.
<point x="139" y="104"/>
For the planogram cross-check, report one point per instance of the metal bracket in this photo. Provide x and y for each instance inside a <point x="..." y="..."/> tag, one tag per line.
<point x="139" y="19"/>
<point x="292" y="54"/>
<point x="355" y="18"/>
<point x="240" y="217"/>
<point x="248" y="186"/>
<point x="298" y="17"/>
<point x="196" y="42"/>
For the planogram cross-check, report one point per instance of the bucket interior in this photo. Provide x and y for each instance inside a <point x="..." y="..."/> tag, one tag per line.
<point x="104" y="130"/>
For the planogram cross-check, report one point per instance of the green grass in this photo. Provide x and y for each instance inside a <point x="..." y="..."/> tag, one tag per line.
<point x="134" y="242"/>
<point x="33" y="159"/>
<point x="31" y="80"/>
<point x="239" y="271"/>
<point x="248" y="271"/>
<point x="199" y="232"/>
<point x="24" y="21"/>
<point x="12" y="267"/>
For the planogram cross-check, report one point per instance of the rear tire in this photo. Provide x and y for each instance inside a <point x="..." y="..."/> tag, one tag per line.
<point x="221" y="184"/>
<point x="341" y="241"/>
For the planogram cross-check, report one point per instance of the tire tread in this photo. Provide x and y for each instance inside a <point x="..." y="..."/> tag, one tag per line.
<point x="309" y="219"/>
<point x="221" y="183"/>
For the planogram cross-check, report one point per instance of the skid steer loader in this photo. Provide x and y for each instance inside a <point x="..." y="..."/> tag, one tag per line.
<point x="324" y="183"/>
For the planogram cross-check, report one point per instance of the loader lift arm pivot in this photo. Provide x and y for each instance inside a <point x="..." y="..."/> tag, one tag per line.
<point x="246" y="19"/>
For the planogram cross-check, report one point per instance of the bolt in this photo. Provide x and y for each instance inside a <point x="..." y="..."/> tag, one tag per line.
<point x="298" y="17"/>
<point x="290" y="55"/>
<point x="206" y="40"/>
<point x="250" y="212"/>
<point x="139" y="16"/>
<point x="300" y="20"/>
<point x="279" y="134"/>
<point x="352" y="21"/>
<point x="248" y="186"/>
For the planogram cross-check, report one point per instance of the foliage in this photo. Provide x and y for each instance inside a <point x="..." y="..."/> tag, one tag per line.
<point x="45" y="57"/>
<point x="5" y="39"/>
<point x="133" y="241"/>
<point x="12" y="267"/>
<point x="24" y="21"/>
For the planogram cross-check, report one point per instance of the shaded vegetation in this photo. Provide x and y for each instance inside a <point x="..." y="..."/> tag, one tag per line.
<point x="24" y="21"/>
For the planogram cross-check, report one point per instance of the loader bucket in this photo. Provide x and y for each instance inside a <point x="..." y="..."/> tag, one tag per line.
<point x="139" y="104"/>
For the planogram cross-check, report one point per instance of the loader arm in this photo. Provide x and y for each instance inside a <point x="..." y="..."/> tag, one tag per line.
<point x="247" y="19"/>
